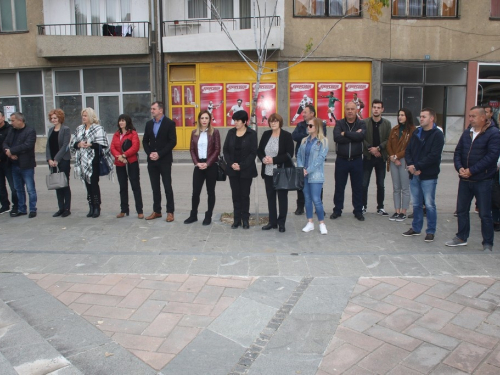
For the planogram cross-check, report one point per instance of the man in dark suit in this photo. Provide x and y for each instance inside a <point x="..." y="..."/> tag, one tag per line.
<point x="159" y="140"/>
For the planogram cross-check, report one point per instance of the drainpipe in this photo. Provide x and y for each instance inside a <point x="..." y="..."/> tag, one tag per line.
<point x="153" y="38"/>
<point x="162" y="57"/>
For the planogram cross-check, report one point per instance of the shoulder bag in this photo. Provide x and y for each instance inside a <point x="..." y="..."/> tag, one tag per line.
<point x="103" y="163"/>
<point x="288" y="178"/>
<point x="221" y="169"/>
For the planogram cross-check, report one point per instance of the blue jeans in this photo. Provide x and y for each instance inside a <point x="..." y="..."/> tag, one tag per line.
<point x="482" y="191"/>
<point x="21" y="178"/>
<point x="312" y="194"/>
<point x="423" y="191"/>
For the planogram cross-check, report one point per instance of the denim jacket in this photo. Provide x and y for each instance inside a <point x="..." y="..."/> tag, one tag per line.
<point x="315" y="169"/>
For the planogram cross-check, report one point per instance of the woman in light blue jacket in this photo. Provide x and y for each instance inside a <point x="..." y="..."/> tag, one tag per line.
<point x="311" y="156"/>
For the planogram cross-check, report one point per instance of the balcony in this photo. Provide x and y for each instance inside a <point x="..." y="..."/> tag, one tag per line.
<point x="93" y="39"/>
<point x="198" y="35"/>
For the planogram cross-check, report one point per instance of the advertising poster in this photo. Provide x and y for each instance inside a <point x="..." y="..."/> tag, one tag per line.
<point x="359" y="93"/>
<point x="329" y="107"/>
<point x="266" y="102"/>
<point x="189" y="116"/>
<point x="234" y="93"/>
<point x="301" y="94"/>
<point x="177" y="116"/>
<point x="212" y="100"/>
<point x="176" y="93"/>
<point x="189" y="98"/>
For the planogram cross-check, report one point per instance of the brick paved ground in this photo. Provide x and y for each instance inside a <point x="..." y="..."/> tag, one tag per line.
<point x="440" y="325"/>
<point x="153" y="316"/>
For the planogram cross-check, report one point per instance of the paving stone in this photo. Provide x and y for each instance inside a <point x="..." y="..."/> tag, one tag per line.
<point x="470" y="318"/>
<point x="425" y="358"/>
<point x="209" y="295"/>
<point x="222" y="305"/>
<point x="49" y="280"/>
<point x="215" y="355"/>
<point x="342" y="359"/>
<point x="430" y="282"/>
<point x="178" y="339"/>
<point x="396" y="281"/>
<point x="98" y="299"/>
<point x="384" y="359"/>
<point x="356" y="370"/>
<point x="358" y="339"/>
<point x="380" y="265"/>
<point x="111" y="279"/>
<point x="472" y="302"/>
<point x="135" y="298"/>
<point x="322" y="266"/>
<point x="195" y="321"/>
<point x="435" y="264"/>
<point x="243" y="321"/>
<point x="489" y="329"/>
<point x="292" y="266"/>
<point x="148" y="311"/>
<point x="82" y="279"/>
<point x="473" y="337"/>
<point x="411" y="290"/>
<point x="486" y="369"/>
<point x="494" y="358"/>
<point x="369" y="282"/>
<point x="271" y="291"/>
<point x="440" y="303"/>
<point x="109" y="312"/>
<point x="351" y="266"/>
<point x="59" y="287"/>
<point x="402" y="370"/>
<point x="158" y="285"/>
<point x="117" y="325"/>
<point x="139" y="342"/>
<point x="471" y="289"/>
<point x="481" y="280"/>
<point x="380" y="291"/>
<point x="442" y="290"/>
<point x="363" y="320"/>
<point x="443" y="369"/>
<point x="68" y="370"/>
<point x="153" y="359"/>
<point x="279" y="363"/>
<point x="68" y="297"/>
<point x="466" y="357"/>
<point x="399" y="320"/>
<point x="123" y="287"/>
<point x="392" y="337"/>
<point x="432" y="337"/>
<point x="90" y="288"/>
<point x="188" y="308"/>
<point x="419" y="308"/>
<point x="163" y="324"/>
<point x="435" y="319"/>
<point x="452" y="279"/>
<point x="172" y="296"/>
<point x="374" y="304"/>
<point x="409" y="266"/>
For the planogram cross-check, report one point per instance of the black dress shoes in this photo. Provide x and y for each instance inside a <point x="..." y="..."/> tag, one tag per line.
<point x="269" y="226"/>
<point x="360" y="217"/>
<point x="236" y="224"/>
<point x="17" y="213"/>
<point x="66" y="213"/>
<point x="246" y="225"/>
<point x="282" y="229"/>
<point x="299" y="211"/>
<point x="32" y="214"/>
<point x="58" y="213"/>
<point x="335" y="215"/>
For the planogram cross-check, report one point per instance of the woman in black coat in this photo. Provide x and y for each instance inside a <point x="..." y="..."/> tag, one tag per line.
<point x="275" y="151"/>
<point x="240" y="151"/>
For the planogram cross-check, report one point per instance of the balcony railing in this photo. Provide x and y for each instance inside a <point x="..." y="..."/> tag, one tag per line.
<point x="125" y="29"/>
<point x="204" y="25"/>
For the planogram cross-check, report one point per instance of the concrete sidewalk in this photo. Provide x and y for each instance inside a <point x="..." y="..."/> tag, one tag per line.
<point x="128" y="296"/>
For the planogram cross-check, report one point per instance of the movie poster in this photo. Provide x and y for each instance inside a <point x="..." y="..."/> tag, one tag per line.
<point x="359" y="93"/>
<point x="177" y="116"/>
<point x="176" y="93"/>
<point x="301" y="94"/>
<point x="189" y="116"/>
<point x="212" y="99"/>
<point x="189" y="98"/>
<point x="329" y="106"/>
<point x="234" y="93"/>
<point x="266" y="102"/>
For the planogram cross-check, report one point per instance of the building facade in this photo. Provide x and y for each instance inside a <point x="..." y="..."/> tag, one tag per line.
<point x="119" y="55"/>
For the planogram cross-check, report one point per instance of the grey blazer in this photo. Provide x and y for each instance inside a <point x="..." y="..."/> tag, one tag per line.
<point x="63" y="140"/>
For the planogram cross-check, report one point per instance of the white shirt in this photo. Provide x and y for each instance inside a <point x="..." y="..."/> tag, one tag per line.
<point x="236" y="108"/>
<point x="474" y="134"/>
<point x="203" y="145"/>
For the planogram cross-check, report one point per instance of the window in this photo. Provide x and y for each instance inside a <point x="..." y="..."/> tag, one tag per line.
<point x="13" y="15"/>
<point x="197" y="9"/>
<point x="424" y="8"/>
<point x="495" y="9"/>
<point x="89" y="14"/>
<point x="326" y="8"/>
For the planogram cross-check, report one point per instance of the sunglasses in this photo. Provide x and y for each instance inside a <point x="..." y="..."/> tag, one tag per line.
<point x="310" y="126"/>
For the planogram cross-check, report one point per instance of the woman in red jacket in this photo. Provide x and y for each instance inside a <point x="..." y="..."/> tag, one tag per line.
<point x="124" y="147"/>
<point x="205" y="149"/>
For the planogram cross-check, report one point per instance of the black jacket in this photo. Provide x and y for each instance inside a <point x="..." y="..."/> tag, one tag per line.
<point x="163" y="144"/>
<point x="349" y="145"/>
<point x="425" y="154"/>
<point x="4" y="130"/>
<point x="23" y="147"/>
<point x="248" y="169"/>
<point x="285" y="148"/>
<point x="480" y="155"/>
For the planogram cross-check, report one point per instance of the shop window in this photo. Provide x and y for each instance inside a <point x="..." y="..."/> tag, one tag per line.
<point x="456" y="101"/>
<point x="403" y="73"/>
<point x="13" y="16"/>
<point x="136" y="79"/>
<point x="67" y="81"/>
<point x="424" y="8"/>
<point x="31" y="83"/>
<point x="489" y="71"/>
<point x="327" y="8"/>
<point x="390" y="97"/>
<point x="101" y="80"/>
<point x="446" y="74"/>
<point x="495" y="9"/>
<point x="8" y="84"/>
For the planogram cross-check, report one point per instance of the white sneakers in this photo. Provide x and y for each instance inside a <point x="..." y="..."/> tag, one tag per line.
<point x="322" y="228"/>
<point x="310" y="227"/>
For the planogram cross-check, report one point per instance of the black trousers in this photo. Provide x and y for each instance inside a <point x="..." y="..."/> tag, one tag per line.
<point x="163" y="170"/>
<point x="343" y="170"/>
<point x="274" y="219"/>
<point x="380" y="167"/>
<point x="129" y="172"/>
<point x="64" y="194"/>
<point x="199" y="177"/>
<point x="93" y="191"/>
<point x="6" y="174"/>
<point x="240" y="189"/>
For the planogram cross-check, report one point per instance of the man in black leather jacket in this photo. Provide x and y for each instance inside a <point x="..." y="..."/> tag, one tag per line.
<point x="5" y="171"/>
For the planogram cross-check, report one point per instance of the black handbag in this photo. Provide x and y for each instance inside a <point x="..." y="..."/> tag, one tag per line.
<point x="103" y="163"/>
<point x="288" y="178"/>
<point x="127" y="143"/>
<point x="221" y="169"/>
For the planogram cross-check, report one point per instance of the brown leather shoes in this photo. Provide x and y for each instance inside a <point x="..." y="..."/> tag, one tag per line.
<point x="153" y="216"/>
<point x="121" y="214"/>
<point x="140" y="216"/>
<point x="170" y="217"/>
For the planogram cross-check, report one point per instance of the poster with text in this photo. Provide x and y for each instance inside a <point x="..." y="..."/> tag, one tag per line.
<point x="189" y="116"/>
<point x="189" y="98"/>
<point x="359" y="93"/>
<point x="234" y="93"/>
<point x="266" y="102"/>
<point x="177" y="116"/>
<point x="301" y="94"/>
<point x="176" y="94"/>
<point x="212" y="100"/>
<point x="329" y="106"/>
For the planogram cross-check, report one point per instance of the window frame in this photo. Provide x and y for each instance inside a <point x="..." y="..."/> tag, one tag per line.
<point x="492" y="17"/>
<point x="424" y="11"/>
<point x="14" y="6"/>
<point x="327" y="5"/>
